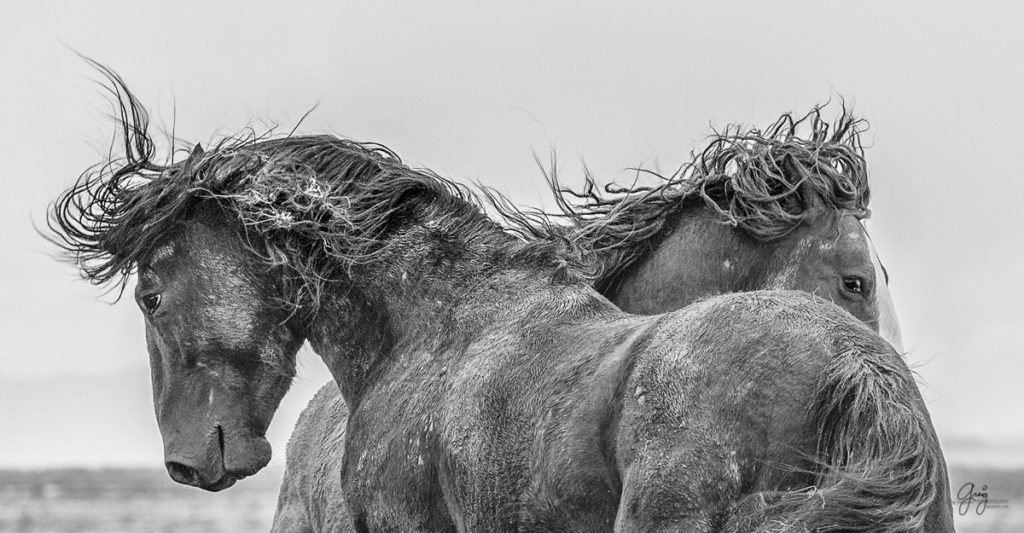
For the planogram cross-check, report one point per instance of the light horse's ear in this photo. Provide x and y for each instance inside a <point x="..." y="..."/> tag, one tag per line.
<point x="813" y="203"/>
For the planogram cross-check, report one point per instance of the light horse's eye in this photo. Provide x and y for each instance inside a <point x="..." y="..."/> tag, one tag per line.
<point x="853" y="285"/>
<point x="150" y="303"/>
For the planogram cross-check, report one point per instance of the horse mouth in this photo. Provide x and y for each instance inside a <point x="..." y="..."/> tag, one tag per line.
<point x="188" y="473"/>
<point x="228" y="478"/>
<point x="224" y="482"/>
<point x="188" y="476"/>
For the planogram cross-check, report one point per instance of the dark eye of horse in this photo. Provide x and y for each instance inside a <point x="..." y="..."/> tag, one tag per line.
<point x="150" y="303"/>
<point x="854" y="285"/>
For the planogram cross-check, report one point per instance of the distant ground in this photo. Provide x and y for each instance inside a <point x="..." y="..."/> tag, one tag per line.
<point x="143" y="500"/>
<point x="131" y="500"/>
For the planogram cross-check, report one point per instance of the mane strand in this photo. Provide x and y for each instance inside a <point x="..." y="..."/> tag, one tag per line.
<point x="313" y="206"/>
<point x="82" y="220"/>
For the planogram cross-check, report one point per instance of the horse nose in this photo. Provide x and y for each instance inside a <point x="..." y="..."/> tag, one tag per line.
<point x="184" y="474"/>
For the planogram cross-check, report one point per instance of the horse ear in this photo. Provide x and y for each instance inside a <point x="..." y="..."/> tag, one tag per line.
<point x="193" y="157"/>
<point x="812" y="200"/>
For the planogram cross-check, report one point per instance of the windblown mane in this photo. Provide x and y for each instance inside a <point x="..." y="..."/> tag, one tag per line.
<point x="312" y="205"/>
<point x="752" y="179"/>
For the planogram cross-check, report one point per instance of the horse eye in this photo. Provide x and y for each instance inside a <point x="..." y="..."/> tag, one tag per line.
<point x="854" y="285"/>
<point x="150" y="303"/>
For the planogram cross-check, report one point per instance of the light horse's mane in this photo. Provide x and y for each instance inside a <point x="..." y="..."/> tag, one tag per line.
<point x="311" y="205"/>
<point x="752" y="179"/>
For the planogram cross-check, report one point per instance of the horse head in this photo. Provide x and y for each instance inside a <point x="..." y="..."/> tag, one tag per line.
<point x="756" y="209"/>
<point x="220" y="335"/>
<point x="221" y="351"/>
<point x="234" y="249"/>
<point x="831" y="255"/>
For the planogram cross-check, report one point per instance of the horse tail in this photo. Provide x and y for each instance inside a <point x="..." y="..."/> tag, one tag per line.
<point x="877" y="466"/>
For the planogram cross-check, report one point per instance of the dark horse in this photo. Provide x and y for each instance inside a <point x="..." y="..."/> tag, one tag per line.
<point x="490" y="388"/>
<point x="663" y="248"/>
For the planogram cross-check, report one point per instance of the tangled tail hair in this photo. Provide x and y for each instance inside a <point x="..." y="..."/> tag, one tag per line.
<point x="879" y="467"/>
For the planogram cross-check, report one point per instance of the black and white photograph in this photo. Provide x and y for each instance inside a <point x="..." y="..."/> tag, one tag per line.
<point x="511" y="266"/>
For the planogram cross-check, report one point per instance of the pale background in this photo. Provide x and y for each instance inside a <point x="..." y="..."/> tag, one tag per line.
<point x="471" y="91"/>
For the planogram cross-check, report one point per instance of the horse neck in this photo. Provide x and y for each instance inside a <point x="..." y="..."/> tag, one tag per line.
<point x="420" y="293"/>
<point x="697" y="256"/>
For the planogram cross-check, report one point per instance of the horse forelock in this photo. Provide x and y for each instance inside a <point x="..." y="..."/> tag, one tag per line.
<point x="739" y="176"/>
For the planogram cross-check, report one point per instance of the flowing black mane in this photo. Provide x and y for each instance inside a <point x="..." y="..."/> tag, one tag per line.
<point x="752" y="179"/>
<point x="309" y="204"/>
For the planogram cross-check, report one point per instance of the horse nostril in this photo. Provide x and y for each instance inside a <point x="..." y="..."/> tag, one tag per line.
<point x="185" y="475"/>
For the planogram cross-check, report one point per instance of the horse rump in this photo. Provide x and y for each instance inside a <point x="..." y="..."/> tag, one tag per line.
<point x="878" y="466"/>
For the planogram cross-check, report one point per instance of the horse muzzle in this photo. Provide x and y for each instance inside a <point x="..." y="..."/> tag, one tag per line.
<point x="217" y="463"/>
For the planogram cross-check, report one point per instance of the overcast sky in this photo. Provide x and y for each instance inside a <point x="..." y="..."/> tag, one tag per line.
<point x="471" y="91"/>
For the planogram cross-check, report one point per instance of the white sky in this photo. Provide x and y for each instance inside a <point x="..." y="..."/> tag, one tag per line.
<point x="469" y="91"/>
